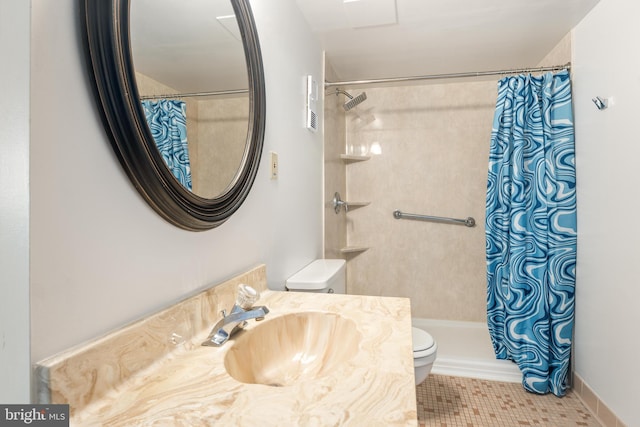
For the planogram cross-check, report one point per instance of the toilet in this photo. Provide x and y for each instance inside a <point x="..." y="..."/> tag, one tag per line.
<point x="424" y="353"/>
<point x="321" y="276"/>
<point x="329" y="276"/>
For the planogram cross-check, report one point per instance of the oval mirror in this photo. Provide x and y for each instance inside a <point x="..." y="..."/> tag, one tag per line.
<point x="184" y="107"/>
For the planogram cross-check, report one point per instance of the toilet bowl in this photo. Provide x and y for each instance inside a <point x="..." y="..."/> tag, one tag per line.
<point x="329" y="276"/>
<point x="424" y="353"/>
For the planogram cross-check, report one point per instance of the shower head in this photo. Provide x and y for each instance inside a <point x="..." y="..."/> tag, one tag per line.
<point x="353" y="100"/>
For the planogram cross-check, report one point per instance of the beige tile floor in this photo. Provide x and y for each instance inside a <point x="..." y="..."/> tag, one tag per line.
<point x="445" y="401"/>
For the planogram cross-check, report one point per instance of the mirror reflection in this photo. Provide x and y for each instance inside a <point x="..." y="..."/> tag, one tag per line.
<point x="192" y="79"/>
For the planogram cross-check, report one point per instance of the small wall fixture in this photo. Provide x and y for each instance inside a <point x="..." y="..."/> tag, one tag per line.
<point x="338" y="204"/>
<point x="601" y="104"/>
<point x="311" y="121"/>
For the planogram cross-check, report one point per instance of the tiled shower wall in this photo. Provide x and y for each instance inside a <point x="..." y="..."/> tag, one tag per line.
<point x="335" y="236"/>
<point x="428" y="146"/>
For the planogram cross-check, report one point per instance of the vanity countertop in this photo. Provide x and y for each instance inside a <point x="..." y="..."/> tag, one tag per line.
<point x="190" y="386"/>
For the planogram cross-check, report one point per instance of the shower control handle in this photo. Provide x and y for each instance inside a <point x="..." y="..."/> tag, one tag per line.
<point x="339" y="204"/>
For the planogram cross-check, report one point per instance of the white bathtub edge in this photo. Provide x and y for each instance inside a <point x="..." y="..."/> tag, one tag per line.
<point x="492" y="371"/>
<point x="425" y="323"/>
<point x="472" y="364"/>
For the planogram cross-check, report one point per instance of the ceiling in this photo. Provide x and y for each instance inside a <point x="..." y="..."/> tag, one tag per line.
<point x="188" y="45"/>
<point x="365" y="39"/>
<point x="194" y="46"/>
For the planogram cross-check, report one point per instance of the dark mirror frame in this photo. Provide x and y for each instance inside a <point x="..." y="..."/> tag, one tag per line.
<point x="108" y="50"/>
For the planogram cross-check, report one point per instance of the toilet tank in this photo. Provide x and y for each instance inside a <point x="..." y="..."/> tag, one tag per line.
<point x="322" y="275"/>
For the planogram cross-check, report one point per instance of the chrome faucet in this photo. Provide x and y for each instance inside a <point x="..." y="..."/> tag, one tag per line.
<point x="242" y="311"/>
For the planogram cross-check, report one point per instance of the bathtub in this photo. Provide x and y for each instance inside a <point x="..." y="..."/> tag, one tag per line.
<point x="465" y="350"/>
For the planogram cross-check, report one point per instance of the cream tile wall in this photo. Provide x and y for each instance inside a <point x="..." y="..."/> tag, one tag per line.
<point x="222" y="130"/>
<point x="429" y="145"/>
<point x="334" y="169"/>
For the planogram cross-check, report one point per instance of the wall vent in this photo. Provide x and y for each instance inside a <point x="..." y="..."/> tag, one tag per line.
<point x="312" y="98"/>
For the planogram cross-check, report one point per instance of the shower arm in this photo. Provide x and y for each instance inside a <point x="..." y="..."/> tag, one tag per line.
<point x="338" y="91"/>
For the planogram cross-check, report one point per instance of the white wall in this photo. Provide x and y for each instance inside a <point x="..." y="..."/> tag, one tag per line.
<point x="14" y="202"/>
<point x="100" y="257"/>
<point x="606" y="63"/>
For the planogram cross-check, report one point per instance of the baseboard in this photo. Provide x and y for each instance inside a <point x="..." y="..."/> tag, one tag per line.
<point x="592" y="401"/>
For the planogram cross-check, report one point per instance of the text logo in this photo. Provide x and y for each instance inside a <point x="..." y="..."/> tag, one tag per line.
<point x="34" y="415"/>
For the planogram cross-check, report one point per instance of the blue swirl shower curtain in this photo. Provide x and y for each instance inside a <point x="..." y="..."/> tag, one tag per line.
<point x="531" y="229"/>
<point x="167" y="120"/>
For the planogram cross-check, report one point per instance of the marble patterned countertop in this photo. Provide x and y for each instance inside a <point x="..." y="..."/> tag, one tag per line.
<point x="155" y="372"/>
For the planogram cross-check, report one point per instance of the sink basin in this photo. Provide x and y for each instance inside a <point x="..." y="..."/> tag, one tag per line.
<point x="292" y="348"/>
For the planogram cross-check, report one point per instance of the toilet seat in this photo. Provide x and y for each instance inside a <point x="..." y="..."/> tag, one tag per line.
<point x="423" y="343"/>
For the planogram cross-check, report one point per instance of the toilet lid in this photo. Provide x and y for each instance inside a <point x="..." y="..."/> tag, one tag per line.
<point x="421" y="340"/>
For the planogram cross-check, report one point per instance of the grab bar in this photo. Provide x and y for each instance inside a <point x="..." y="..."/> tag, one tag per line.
<point x="469" y="222"/>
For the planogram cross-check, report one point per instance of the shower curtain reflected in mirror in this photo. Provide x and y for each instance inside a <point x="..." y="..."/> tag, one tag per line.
<point x="167" y="120"/>
<point x="531" y="232"/>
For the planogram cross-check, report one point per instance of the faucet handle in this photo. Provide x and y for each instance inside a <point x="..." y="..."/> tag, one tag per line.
<point x="247" y="296"/>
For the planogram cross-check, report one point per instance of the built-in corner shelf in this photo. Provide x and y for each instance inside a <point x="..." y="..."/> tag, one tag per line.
<point x="347" y="158"/>
<point x="353" y="249"/>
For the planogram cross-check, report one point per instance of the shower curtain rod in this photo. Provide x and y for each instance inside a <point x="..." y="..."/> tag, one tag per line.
<point x="566" y="66"/>
<point x="194" y="94"/>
